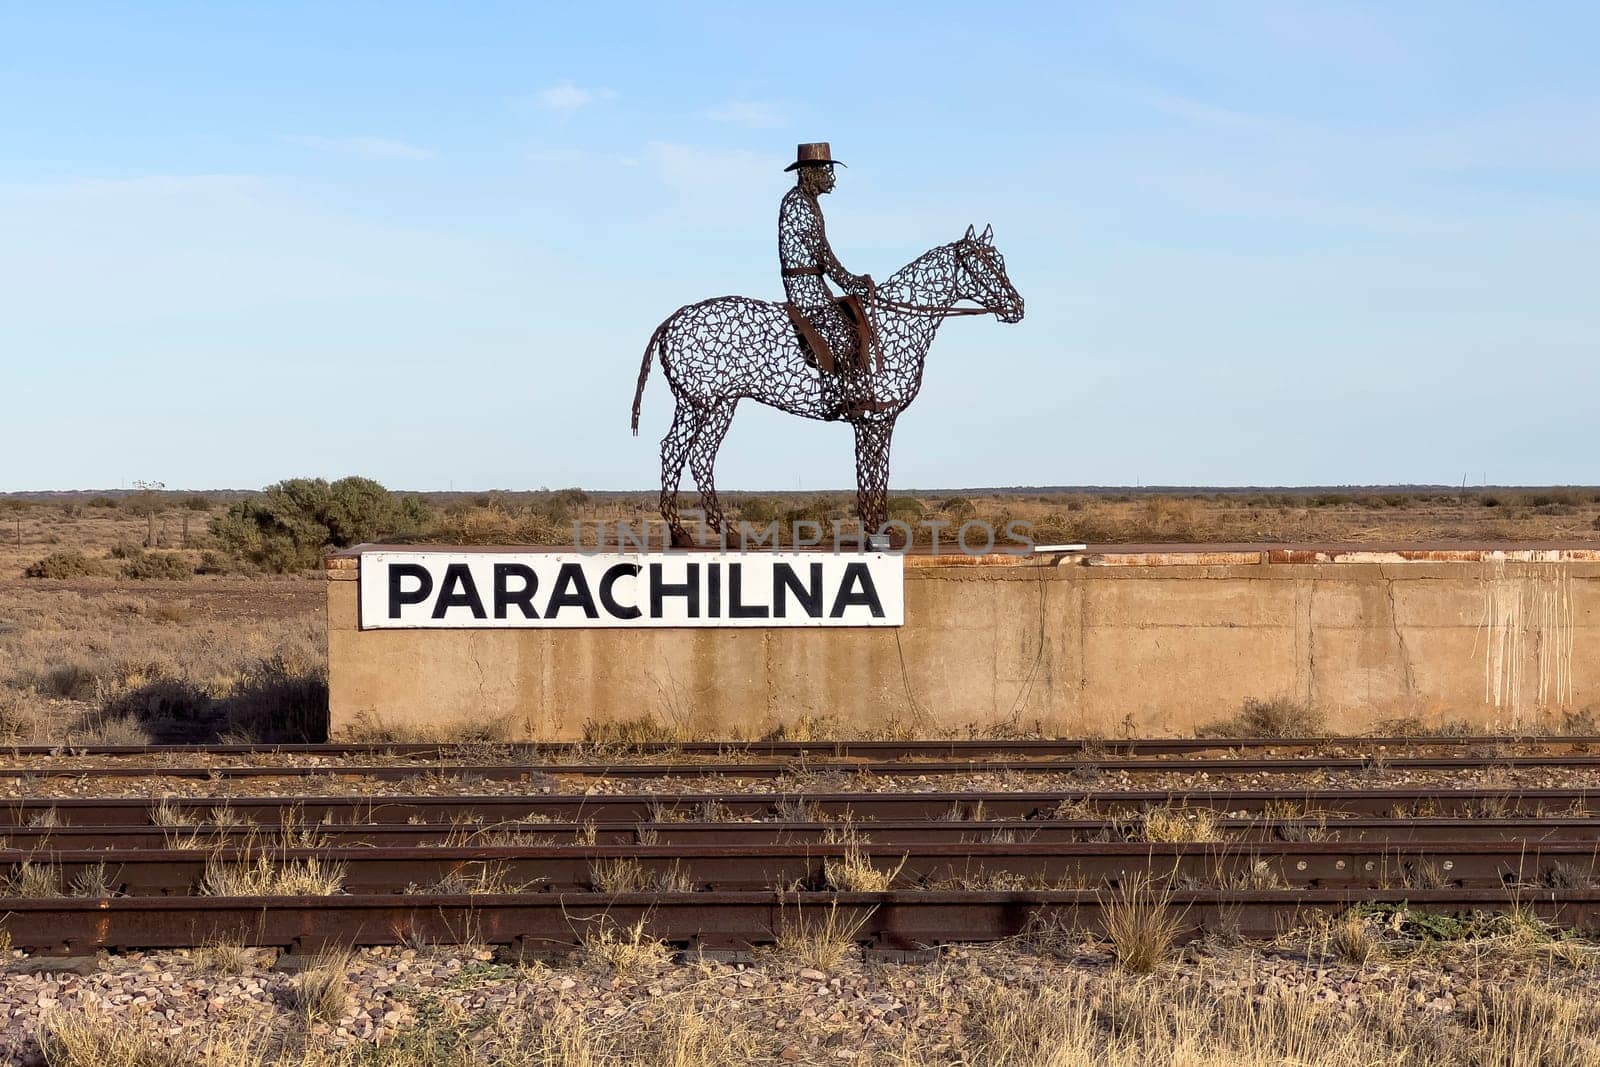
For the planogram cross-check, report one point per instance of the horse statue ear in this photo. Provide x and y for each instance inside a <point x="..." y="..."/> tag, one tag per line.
<point x="970" y="233"/>
<point x="987" y="236"/>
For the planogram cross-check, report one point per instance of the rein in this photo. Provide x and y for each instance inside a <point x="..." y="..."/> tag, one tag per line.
<point x="925" y="309"/>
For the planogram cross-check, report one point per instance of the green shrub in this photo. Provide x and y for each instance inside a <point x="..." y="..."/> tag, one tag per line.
<point x="757" y="509"/>
<point x="197" y="503"/>
<point x="214" y="562"/>
<point x="162" y="566"/>
<point x="101" y="502"/>
<point x="65" y="565"/>
<point x="905" y="508"/>
<point x="295" y="521"/>
<point x="958" y="507"/>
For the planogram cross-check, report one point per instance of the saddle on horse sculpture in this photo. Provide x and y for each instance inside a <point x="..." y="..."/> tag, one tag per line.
<point x="816" y="347"/>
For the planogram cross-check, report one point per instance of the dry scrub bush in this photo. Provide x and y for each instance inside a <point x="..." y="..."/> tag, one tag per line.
<point x="1267" y="718"/>
<point x="621" y="734"/>
<point x="368" y="728"/>
<point x="158" y="566"/>
<point x="279" y="701"/>
<point x="62" y="565"/>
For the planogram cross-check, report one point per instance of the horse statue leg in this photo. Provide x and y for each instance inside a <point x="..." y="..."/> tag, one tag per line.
<point x="714" y="423"/>
<point x="674" y="451"/>
<point x="872" y="473"/>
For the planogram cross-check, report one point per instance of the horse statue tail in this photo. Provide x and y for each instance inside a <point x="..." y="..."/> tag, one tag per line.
<point x="644" y="371"/>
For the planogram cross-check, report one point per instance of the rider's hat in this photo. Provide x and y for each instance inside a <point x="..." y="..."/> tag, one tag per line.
<point x="813" y="155"/>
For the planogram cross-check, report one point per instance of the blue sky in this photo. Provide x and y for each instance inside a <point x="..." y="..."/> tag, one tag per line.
<point x="1260" y="243"/>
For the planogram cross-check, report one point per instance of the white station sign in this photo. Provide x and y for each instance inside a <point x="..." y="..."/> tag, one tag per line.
<point x="571" y="590"/>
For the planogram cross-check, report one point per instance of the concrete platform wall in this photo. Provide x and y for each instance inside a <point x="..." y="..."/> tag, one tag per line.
<point x="1113" y="644"/>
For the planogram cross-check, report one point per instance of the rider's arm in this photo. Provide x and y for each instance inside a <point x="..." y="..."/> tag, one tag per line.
<point x="859" y="284"/>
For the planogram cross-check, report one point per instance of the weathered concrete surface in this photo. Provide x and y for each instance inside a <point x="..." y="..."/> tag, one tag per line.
<point x="1147" y="643"/>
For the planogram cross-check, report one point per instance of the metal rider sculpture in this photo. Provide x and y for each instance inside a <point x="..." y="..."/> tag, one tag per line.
<point x="858" y="360"/>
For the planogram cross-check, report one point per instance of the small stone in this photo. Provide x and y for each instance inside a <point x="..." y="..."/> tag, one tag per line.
<point x="811" y="974"/>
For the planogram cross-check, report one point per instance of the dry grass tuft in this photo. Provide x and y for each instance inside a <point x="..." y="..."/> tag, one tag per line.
<point x="95" y="882"/>
<point x="479" y="878"/>
<point x="619" y="875"/>
<point x="265" y="877"/>
<point x="624" y="950"/>
<point x="820" y="941"/>
<point x="623" y="875"/>
<point x="1166" y="824"/>
<point x="321" y="993"/>
<point x="91" y="1039"/>
<point x="168" y="814"/>
<point x="855" y="872"/>
<point x="226" y="957"/>
<point x="623" y="734"/>
<point x="32" y="881"/>
<point x="1352" y="940"/>
<point x="1141" y="925"/>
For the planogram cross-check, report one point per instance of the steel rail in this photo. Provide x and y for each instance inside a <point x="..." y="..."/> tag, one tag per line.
<point x="891" y="768"/>
<point x="116" y="839"/>
<point x="559" y="922"/>
<point x="312" y="810"/>
<point x="817" y="865"/>
<point x="950" y="749"/>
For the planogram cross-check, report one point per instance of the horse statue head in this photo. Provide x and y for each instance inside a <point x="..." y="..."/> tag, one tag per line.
<point x="981" y="276"/>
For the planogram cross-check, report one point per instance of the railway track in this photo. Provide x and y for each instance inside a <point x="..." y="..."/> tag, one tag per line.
<point x="1421" y="802"/>
<point x="535" y="866"/>
<point x="881" y="750"/>
<point x="884" y="768"/>
<point x="115" y="838"/>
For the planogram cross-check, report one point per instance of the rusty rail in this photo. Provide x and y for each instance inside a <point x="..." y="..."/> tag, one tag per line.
<point x="948" y="749"/>
<point x="818" y="865"/>
<point x="887" y="768"/>
<point x="115" y="839"/>
<point x="1429" y="801"/>
<point x="558" y="922"/>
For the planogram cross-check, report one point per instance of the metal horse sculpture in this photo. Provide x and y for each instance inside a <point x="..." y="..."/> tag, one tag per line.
<point x="732" y="348"/>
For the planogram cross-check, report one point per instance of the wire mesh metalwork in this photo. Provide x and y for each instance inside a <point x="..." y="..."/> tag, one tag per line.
<point x="807" y="355"/>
